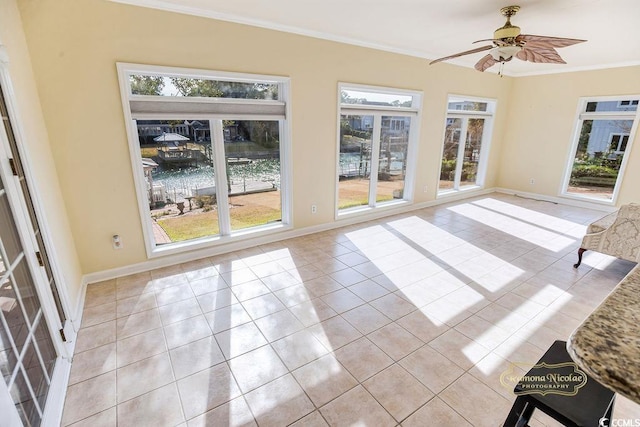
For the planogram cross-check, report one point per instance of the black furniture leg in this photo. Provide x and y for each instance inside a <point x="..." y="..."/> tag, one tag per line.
<point x="580" y="252"/>
<point x="609" y="414"/>
<point x="589" y="406"/>
<point x="520" y="413"/>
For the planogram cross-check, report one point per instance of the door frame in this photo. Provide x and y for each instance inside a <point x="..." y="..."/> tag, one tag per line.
<point x="52" y="412"/>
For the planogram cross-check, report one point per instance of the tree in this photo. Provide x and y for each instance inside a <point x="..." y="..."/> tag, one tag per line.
<point x="583" y="140"/>
<point x="397" y="103"/>
<point x="197" y="87"/>
<point x="223" y="89"/>
<point x="475" y="129"/>
<point x="146" y="85"/>
<point x="264" y="133"/>
<point x="248" y="90"/>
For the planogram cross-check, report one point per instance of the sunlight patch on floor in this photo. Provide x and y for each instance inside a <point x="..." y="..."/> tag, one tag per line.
<point x="538" y="235"/>
<point x="517" y="339"/>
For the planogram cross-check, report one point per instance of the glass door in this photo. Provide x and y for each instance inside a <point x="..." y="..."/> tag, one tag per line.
<point x="27" y="353"/>
<point x="18" y="171"/>
<point x="29" y="298"/>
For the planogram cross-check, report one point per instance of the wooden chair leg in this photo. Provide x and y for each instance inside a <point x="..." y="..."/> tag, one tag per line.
<point x="580" y="252"/>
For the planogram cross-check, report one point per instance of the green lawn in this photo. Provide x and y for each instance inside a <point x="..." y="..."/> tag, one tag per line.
<point x="187" y="227"/>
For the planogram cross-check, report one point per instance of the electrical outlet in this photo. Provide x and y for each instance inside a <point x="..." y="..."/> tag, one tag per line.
<point x="116" y="241"/>
<point x="532" y="181"/>
<point x="425" y="189"/>
<point x="314" y="209"/>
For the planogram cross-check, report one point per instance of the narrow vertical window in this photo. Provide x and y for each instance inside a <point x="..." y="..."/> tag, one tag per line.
<point x="466" y="143"/>
<point x="376" y="146"/>
<point x="605" y="128"/>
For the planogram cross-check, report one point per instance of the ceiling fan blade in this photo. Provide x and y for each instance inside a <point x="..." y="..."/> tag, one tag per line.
<point x="545" y="55"/>
<point x="546" y="41"/>
<point x="468" y="52"/>
<point x="485" y="62"/>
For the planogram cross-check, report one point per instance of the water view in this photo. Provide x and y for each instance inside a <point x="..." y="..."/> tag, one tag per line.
<point x="247" y="176"/>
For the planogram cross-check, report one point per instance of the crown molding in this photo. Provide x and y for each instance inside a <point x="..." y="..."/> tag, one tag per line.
<point x="239" y="19"/>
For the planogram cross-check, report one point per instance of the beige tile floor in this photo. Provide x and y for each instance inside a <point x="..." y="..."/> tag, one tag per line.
<point x="408" y="320"/>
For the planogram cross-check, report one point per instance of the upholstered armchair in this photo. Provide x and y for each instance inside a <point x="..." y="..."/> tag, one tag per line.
<point x="617" y="234"/>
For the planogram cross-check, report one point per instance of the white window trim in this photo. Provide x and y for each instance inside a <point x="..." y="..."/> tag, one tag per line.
<point x="415" y="112"/>
<point x="581" y="116"/>
<point x="487" y="138"/>
<point x="286" y="185"/>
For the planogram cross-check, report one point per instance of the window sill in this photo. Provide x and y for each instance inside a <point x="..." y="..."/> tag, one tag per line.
<point x="595" y="200"/>
<point x="365" y="210"/>
<point x="217" y="241"/>
<point x="450" y="193"/>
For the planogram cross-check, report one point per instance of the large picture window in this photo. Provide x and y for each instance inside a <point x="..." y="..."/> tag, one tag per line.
<point x="209" y="152"/>
<point x="376" y="146"/>
<point x="466" y="143"/>
<point x="604" y="133"/>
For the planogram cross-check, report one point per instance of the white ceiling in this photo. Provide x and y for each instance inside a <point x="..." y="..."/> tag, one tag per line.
<point x="437" y="28"/>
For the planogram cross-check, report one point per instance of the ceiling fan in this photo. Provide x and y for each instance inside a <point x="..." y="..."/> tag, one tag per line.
<point x="508" y="42"/>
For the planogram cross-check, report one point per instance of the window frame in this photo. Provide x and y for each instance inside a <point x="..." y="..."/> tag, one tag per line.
<point x="154" y="250"/>
<point x="378" y="111"/>
<point x="580" y="117"/>
<point x="621" y="141"/>
<point x="629" y="103"/>
<point x="487" y="137"/>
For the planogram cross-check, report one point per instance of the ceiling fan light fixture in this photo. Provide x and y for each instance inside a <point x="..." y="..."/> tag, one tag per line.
<point x="504" y="53"/>
<point x="508" y="43"/>
<point x="508" y="31"/>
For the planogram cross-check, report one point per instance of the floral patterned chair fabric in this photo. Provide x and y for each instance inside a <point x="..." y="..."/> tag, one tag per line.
<point x="617" y="234"/>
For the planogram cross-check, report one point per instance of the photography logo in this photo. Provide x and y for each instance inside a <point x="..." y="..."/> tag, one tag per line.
<point x="544" y="378"/>
<point x="619" y="422"/>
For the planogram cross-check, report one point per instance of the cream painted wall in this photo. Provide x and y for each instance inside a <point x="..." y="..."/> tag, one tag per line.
<point x="39" y="152"/>
<point x="537" y="141"/>
<point x="74" y="47"/>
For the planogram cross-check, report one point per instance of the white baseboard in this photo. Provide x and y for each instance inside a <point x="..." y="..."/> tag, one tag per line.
<point x="77" y="321"/>
<point x="455" y="196"/>
<point x="569" y="201"/>
<point x="173" y="259"/>
<point x="179" y="258"/>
